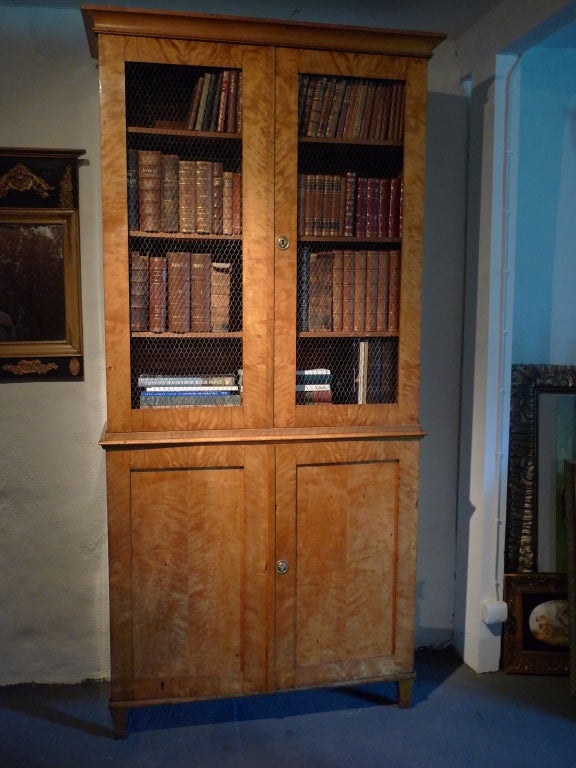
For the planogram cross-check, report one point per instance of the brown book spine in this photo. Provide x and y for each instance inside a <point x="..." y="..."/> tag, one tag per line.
<point x="337" y="288"/>
<point x="232" y="107"/>
<point x="320" y="292"/>
<point x="158" y="293"/>
<point x="394" y="293"/>
<point x="336" y="106"/>
<point x="335" y="196"/>
<point x="217" y="197"/>
<point x="350" y="204"/>
<point x="237" y="204"/>
<point x="384" y="208"/>
<point x="220" y="296"/>
<point x="187" y="195"/>
<point x="327" y="100"/>
<point x="382" y="291"/>
<point x="348" y="291"/>
<point x="200" y="268"/>
<point x="301" y="199"/>
<point x="372" y="204"/>
<point x="178" y="267"/>
<point x="149" y="192"/>
<point x="344" y="109"/>
<point x="138" y="291"/>
<point x="316" y="108"/>
<point x="204" y="197"/>
<point x="371" y="290"/>
<point x="169" y="212"/>
<point x="223" y="102"/>
<point x="318" y="198"/>
<point x="395" y="207"/>
<point x="194" y="103"/>
<point x="227" y="182"/>
<point x="305" y="96"/>
<point x="359" y="290"/>
<point x="361" y="207"/>
<point x="206" y="86"/>
<point x="132" y="181"/>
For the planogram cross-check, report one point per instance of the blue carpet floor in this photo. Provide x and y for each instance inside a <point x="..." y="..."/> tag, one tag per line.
<point x="458" y="720"/>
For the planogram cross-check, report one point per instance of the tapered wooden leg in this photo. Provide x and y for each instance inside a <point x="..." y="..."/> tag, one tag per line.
<point x="119" y="721"/>
<point x="405" y="688"/>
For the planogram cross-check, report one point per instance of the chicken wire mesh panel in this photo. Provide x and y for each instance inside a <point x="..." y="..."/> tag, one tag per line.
<point x="349" y="227"/>
<point x="185" y="227"/>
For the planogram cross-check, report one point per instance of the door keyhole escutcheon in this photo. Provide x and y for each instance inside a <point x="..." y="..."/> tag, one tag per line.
<point x="281" y="567"/>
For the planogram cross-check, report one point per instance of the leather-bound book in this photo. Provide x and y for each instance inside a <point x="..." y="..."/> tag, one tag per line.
<point x="382" y="291"/>
<point x="187" y="195"/>
<point x="132" y="180"/>
<point x="169" y="213"/>
<point x="394" y="226"/>
<point x="138" y="291"/>
<point x="237" y="204"/>
<point x="320" y="293"/>
<point x="359" y="290"/>
<point x="200" y="278"/>
<point x="217" y="197"/>
<point x="220" y="296"/>
<point x="227" y="181"/>
<point x="337" y="289"/>
<point x="178" y="268"/>
<point x="149" y="184"/>
<point x="348" y="291"/>
<point x="158" y="293"/>
<point x="204" y="198"/>
<point x="394" y="293"/>
<point x="372" y="259"/>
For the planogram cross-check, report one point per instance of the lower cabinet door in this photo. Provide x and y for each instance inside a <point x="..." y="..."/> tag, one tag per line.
<point x="190" y="538"/>
<point x="345" y="550"/>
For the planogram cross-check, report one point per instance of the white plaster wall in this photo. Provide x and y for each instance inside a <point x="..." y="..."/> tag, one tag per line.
<point x="53" y="584"/>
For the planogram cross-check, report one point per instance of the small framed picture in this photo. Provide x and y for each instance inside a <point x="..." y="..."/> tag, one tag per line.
<point x="40" y="295"/>
<point x="536" y="633"/>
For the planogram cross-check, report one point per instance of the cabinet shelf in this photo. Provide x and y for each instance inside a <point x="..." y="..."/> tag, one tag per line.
<point x="188" y="335"/>
<point x="182" y="132"/>
<point x="136" y="233"/>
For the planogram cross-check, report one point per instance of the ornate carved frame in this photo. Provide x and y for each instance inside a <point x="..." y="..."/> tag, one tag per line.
<point x="528" y="381"/>
<point x="39" y="225"/>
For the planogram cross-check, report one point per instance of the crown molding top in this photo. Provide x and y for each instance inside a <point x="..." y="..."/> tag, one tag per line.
<point x="238" y="29"/>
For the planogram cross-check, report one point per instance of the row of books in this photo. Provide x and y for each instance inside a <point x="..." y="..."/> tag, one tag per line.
<point x="349" y="206"/>
<point x="313" y="386"/>
<point x="169" y="194"/>
<point x="188" y="391"/>
<point x="348" y="291"/>
<point x="355" y="109"/>
<point x="180" y="292"/>
<point x="216" y="103"/>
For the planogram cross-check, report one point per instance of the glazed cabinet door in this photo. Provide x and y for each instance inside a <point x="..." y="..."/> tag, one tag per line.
<point x="189" y="550"/>
<point x="187" y="155"/>
<point x="349" y="197"/>
<point x="345" y="542"/>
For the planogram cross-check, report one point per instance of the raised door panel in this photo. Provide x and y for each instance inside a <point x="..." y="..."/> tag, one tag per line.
<point x="195" y="572"/>
<point x="346" y="527"/>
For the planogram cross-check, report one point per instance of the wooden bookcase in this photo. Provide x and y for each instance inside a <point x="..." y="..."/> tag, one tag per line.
<point x="261" y="538"/>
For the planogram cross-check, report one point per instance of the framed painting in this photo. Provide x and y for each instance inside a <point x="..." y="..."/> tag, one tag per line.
<point x="536" y="633"/>
<point x="40" y="294"/>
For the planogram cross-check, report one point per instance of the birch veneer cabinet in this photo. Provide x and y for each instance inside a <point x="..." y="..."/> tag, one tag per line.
<point x="262" y="214"/>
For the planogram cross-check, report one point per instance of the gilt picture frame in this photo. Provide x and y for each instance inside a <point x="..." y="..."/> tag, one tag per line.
<point x="40" y="285"/>
<point x="536" y="632"/>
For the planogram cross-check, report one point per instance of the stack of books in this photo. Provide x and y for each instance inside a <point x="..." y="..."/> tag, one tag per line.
<point x="313" y="385"/>
<point x="187" y="391"/>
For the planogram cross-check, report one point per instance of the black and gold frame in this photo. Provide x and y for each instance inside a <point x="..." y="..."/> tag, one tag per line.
<point x="40" y="297"/>
<point x="528" y="382"/>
